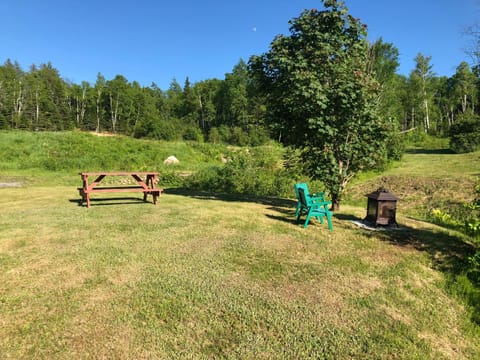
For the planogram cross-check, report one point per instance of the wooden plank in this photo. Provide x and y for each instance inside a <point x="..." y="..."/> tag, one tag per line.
<point x="119" y="173"/>
<point x="121" y="189"/>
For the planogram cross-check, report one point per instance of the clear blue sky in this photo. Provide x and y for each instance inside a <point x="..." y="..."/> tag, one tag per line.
<point x="156" y="41"/>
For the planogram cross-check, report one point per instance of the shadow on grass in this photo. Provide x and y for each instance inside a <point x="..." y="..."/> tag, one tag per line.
<point x="448" y="253"/>
<point x="285" y="207"/>
<point x="277" y="202"/>
<point x="430" y="151"/>
<point x="125" y="200"/>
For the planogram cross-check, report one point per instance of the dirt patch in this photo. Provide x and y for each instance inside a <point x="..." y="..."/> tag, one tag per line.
<point x="14" y="184"/>
<point x="101" y="133"/>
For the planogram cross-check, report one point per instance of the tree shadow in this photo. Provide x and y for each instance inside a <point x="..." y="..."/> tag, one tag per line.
<point x="346" y="217"/>
<point x="430" y="151"/>
<point x="448" y="253"/>
<point x="205" y="195"/>
<point x="284" y="208"/>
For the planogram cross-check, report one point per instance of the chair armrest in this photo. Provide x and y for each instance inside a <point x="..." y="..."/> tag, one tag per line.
<point x="317" y="197"/>
<point x="324" y="204"/>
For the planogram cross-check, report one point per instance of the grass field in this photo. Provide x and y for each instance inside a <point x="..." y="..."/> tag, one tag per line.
<point x="204" y="276"/>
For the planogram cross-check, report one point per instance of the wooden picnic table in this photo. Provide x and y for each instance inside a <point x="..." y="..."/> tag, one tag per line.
<point x="145" y="182"/>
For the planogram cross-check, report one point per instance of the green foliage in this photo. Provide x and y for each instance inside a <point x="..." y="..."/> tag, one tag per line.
<point x="472" y="222"/>
<point x="465" y="217"/>
<point x="193" y="134"/>
<point x="473" y="273"/>
<point x="465" y="134"/>
<point x="443" y="218"/>
<point x="467" y="220"/>
<point x="249" y="171"/>
<point x="40" y="99"/>
<point x="466" y="287"/>
<point x="238" y="137"/>
<point x="321" y="95"/>
<point x="421" y="140"/>
<point x="395" y="145"/>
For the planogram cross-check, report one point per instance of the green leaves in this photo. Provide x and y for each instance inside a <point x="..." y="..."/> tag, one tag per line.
<point x="320" y="96"/>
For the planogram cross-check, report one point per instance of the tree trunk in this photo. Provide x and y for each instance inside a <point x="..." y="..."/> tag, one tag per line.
<point x="202" y="115"/>
<point x="427" y="117"/>
<point x="37" y="111"/>
<point x="464" y="103"/>
<point x="114" y="113"/>
<point x="413" y="117"/>
<point x="99" y="94"/>
<point x="335" y="203"/>
<point x="17" y="106"/>
<point x="83" y="107"/>
<point x="77" y="111"/>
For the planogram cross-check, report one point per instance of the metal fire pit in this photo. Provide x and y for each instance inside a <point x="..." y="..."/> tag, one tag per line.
<point x="381" y="208"/>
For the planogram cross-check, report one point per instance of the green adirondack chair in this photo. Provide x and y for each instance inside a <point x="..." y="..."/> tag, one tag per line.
<point x="304" y="186"/>
<point x="312" y="205"/>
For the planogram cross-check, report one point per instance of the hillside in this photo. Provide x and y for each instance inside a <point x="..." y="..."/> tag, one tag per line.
<point x="222" y="276"/>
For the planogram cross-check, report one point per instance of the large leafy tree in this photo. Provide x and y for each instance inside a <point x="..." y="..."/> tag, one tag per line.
<point x="322" y="96"/>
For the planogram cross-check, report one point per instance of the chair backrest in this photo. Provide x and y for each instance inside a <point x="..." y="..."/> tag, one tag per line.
<point x="302" y="186"/>
<point x="303" y="197"/>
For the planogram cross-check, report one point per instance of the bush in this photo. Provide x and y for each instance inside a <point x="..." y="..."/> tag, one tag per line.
<point x="395" y="146"/>
<point x="465" y="134"/>
<point x="193" y="134"/>
<point x="420" y="139"/>
<point x="252" y="171"/>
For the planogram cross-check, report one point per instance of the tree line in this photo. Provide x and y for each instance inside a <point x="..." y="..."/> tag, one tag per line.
<point x="231" y="110"/>
<point x="215" y="110"/>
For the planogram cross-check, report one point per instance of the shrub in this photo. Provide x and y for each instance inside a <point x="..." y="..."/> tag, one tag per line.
<point x="395" y="146"/>
<point x="193" y="134"/>
<point x="214" y="136"/>
<point x="239" y="137"/>
<point x="256" y="171"/>
<point x="465" y="134"/>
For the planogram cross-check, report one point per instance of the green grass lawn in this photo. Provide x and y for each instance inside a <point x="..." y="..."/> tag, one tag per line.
<point x="208" y="276"/>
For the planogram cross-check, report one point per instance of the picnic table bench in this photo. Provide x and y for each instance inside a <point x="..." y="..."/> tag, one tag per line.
<point x="145" y="182"/>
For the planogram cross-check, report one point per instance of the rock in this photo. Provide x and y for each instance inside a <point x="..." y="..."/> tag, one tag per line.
<point x="171" y="160"/>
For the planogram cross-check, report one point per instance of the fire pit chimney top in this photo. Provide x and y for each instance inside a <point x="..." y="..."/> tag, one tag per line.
<point x="382" y="194"/>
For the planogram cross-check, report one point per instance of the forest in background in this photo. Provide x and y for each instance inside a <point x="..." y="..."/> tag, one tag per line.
<point x="229" y="110"/>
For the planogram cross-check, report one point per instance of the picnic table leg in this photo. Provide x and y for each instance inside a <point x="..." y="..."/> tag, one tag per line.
<point x="85" y="194"/>
<point x="147" y="181"/>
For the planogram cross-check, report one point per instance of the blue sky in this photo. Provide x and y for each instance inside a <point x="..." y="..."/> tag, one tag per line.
<point x="156" y="41"/>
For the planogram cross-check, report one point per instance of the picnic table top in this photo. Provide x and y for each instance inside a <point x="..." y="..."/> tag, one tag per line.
<point x="119" y="173"/>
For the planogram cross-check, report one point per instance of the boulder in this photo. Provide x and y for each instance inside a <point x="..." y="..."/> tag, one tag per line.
<point x="171" y="160"/>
